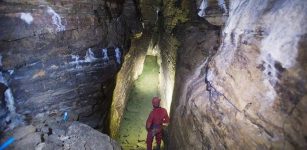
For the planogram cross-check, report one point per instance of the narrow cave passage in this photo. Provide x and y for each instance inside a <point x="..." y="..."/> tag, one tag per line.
<point x="132" y="133"/>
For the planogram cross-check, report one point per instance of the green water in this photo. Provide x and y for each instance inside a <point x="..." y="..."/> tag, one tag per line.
<point x="132" y="133"/>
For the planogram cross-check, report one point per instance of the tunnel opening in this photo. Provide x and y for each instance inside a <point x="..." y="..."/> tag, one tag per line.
<point x="151" y="73"/>
<point x="132" y="132"/>
<point x="129" y="75"/>
<point x="152" y="42"/>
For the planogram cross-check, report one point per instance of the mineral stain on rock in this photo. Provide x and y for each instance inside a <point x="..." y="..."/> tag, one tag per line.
<point x="27" y="17"/>
<point x="39" y="74"/>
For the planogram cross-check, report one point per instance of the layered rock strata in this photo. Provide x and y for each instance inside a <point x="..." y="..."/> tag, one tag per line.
<point x="62" y="56"/>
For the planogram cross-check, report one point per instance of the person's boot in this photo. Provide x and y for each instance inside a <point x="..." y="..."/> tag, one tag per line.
<point x="158" y="147"/>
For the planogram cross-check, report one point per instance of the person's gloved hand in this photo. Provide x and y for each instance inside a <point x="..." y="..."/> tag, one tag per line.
<point x="164" y="125"/>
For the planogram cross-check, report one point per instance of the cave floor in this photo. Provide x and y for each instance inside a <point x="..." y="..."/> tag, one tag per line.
<point x="132" y="133"/>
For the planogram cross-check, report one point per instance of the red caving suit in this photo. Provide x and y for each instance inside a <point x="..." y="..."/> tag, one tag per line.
<point x="156" y="118"/>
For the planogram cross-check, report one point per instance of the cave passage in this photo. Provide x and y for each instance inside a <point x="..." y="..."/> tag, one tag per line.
<point x="132" y="133"/>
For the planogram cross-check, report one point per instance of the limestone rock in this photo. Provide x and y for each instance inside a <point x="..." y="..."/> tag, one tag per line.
<point x="46" y="46"/>
<point x="199" y="41"/>
<point x="78" y="136"/>
<point x="252" y="92"/>
<point x="130" y="69"/>
<point x="54" y="140"/>
<point x="82" y="136"/>
<point x="21" y="132"/>
<point x="214" y="11"/>
<point x="40" y="146"/>
<point x="28" y="142"/>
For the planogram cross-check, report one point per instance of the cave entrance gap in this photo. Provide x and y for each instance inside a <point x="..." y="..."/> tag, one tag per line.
<point x="132" y="133"/>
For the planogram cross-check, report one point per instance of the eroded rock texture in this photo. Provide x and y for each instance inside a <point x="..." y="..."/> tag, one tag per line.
<point x="252" y="92"/>
<point x="151" y="43"/>
<point x="53" y="58"/>
<point x="199" y="41"/>
<point x="214" y="11"/>
<point x="81" y="136"/>
<point x="61" y="136"/>
<point x="130" y="70"/>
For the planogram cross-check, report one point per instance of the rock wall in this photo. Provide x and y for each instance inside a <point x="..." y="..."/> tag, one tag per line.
<point x="214" y="11"/>
<point x="167" y="56"/>
<point x="129" y="72"/>
<point x="172" y="14"/>
<point x="53" y="58"/>
<point x="252" y="92"/>
<point x="148" y="44"/>
<point x="133" y="62"/>
<point x="59" y="135"/>
<point x="199" y="41"/>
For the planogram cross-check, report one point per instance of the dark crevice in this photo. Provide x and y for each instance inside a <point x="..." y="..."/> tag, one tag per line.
<point x="49" y="131"/>
<point x="42" y="138"/>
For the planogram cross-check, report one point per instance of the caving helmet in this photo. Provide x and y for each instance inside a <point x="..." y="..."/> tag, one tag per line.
<point x="155" y="102"/>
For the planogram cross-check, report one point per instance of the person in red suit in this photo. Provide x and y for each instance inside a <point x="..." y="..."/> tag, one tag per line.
<point x="157" y="117"/>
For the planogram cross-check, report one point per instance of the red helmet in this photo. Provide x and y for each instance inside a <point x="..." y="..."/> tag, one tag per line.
<point x="155" y="101"/>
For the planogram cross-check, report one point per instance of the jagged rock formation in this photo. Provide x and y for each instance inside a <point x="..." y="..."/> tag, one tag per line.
<point x="252" y="92"/>
<point x="198" y="41"/>
<point x="60" y="136"/>
<point x="81" y="135"/>
<point x="53" y="55"/>
<point x="214" y="11"/>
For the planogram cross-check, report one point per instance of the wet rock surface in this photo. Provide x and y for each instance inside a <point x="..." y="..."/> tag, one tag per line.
<point x="133" y="62"/>
<point x="129" y="72"/>
<point x="65" y="135"/>
<point x="81" y="135"/>
<point x="158" y="19"/>
<point x="132" y="133"/>
<point x="53" y="59"/>
<point x="199" y="40"/>
<point x="251" y="93"/>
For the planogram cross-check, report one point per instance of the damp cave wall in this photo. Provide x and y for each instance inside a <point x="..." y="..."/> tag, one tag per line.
<point x="156" y="40"/>
<point x="178" y="17"/>
<point x="129" y="72"/>
<point x="134" y="61"/>
<point x="250" y="91"/>
<point x="166" y="46"/>
<point x="46" y="47"/>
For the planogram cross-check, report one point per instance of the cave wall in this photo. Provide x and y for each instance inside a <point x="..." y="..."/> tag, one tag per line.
<point x="133" y="63"/>
<point x="129" y="72"/>
<point x="167" y="56"/>
<point x="52" y="55"/>
<point x="214" y="11"/>
<point x="198" y="42"/>
<point x="172" y="13"/>
<point x="252" y="92"/>
<point x="150" y="43"/>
